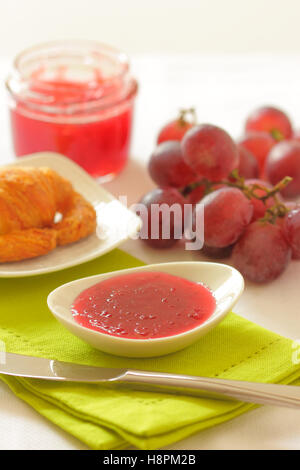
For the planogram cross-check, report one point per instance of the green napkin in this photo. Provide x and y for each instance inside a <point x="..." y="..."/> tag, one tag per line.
<point x="108" y="418"/>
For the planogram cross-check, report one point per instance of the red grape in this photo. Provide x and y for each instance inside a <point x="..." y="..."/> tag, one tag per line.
<point x="262" y="253"/>
<point x="216" y="253"/>
<point x="260" y="207"/>
<point x="290" y="205"/>
<point x="259" y="144"/>
<point x="227" y="212"/>
<point x="167" y="167"/>
<point x="210" y="152"/>
<point x="248" y="166"/>
<point x="271" y="120"/>
<point x="196" y="194"/>
<point x="296" y="135"/>
<point x="291" y="230"/>
<point x="175" y="130"/>
<point x="154" y="200"/>
<point x="284" y="160"/>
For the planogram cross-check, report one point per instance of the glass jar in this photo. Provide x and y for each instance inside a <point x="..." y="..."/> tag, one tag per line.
<point x="75" y="98"/>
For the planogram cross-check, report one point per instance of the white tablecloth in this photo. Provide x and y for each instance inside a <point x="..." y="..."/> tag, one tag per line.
<point x="223" y="89"/>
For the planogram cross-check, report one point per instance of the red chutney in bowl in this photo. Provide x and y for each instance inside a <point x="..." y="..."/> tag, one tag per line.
<point x="75" y="98"/>
<point x="144" y="305"/>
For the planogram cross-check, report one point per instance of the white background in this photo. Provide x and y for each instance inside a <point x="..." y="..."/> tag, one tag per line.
<point x="156" y="25"/>
<point x="225" y="57"/>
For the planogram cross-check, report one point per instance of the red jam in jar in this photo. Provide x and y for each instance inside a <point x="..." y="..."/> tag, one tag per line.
<point x="144" y="305"/>
<point x="75" y="98"/>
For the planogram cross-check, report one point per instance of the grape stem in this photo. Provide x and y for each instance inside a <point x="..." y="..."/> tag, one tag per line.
<point x="183" y="113"/>
<point x="277" y="210"/>
<point x="277" y="135"/>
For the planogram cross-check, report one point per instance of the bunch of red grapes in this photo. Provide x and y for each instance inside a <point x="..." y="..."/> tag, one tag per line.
<point x="242" y="186"/>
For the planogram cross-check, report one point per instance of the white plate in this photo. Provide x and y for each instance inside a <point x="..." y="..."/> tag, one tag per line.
<point x="116" y="223"/>
<point x="226" y="283"/>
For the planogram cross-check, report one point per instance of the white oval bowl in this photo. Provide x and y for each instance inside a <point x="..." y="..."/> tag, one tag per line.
<point x="226" y="283"/>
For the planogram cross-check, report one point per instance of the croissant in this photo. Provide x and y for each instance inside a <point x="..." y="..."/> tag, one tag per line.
<point x="30" y="199"/>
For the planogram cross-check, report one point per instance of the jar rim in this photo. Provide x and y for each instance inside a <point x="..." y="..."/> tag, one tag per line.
<point x="17" y="82"/>
<point x="86" y="43"/>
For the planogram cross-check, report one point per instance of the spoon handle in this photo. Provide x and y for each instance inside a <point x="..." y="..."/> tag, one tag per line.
<point x="252" y="392"/>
